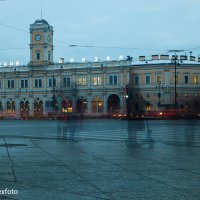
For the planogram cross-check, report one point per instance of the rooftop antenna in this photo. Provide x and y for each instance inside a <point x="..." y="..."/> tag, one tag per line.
<point x="41" y="14"/>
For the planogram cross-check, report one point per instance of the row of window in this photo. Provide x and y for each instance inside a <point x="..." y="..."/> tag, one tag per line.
<point x="159" y="79"/>
<point x="81" y="81"/>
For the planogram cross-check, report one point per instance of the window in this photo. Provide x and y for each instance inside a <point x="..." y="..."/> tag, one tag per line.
<point x="0" y="84"/>
<point x="11" y="83"/>
<point x="52" y="82"/>
<point x="137" y="81"/>
<point x="81" y="80"/>
<point x="159" y="78"/>
<point x="186" y="79"/>
<point x="176" y="78"/>
<point x="148" y="107"/>
<point x="148" y="79"/>
<point x="38" y="83"/>
<point x="196" y="80"/>
<point x="24" y="83"/>
<point x="49" y="55"/>
<point x="186" y="94"/>
<point x="37" y="55"/>
<point x="96" y="80"/>
<point x="66" y="82"/>
<point x="113" y="80"/>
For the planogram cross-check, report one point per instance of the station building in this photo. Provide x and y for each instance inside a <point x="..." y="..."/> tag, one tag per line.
<point x="95" y="88"/>
<point x="42" y="86"/>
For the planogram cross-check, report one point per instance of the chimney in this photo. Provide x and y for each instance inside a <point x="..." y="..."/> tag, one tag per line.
<point x="141" y="58"/>
<point x="192" y="58"/>
<point x="155" y="57"/>
<point x="164" y="57"/>
<point x="183" y="57"/>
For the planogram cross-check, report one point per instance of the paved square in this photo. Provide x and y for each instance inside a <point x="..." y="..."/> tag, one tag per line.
<point x="100" y="159"/>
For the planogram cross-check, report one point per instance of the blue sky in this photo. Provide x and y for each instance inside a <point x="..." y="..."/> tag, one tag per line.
<point x="135" y="27"/>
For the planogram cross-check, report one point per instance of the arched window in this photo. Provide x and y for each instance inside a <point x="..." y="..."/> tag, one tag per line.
<point x="148" y="107"/>
<point x="67" y="105"/>
<point x="81" y="105"/>
<point x="37" y="55"/>
<point x="97" y="105"/>
<point x="186" y="107"/>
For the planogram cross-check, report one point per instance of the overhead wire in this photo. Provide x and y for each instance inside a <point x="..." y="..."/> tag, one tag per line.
<point x="70" y="45"/>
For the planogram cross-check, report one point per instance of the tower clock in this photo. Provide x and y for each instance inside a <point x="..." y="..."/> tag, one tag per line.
<point x="41" y="43"/>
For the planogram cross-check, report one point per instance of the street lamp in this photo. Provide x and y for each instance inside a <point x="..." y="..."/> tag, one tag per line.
<point x="175" y="61"/>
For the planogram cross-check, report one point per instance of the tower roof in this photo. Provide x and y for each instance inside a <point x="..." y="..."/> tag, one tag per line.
<point x="41" y="21"/>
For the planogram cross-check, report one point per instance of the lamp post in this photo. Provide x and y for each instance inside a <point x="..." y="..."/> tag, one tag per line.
<point x="175" y="61"/>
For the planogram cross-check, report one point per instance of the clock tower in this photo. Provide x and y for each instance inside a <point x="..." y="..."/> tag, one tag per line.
<point x="41" y="43"/>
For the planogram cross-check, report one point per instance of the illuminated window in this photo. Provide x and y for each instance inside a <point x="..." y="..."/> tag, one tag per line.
<point x="159" y="78"/>
<point x="97" y="105"/>
<point x="196" y="80"/>
<point x="176" y="78"/>
<point x="81" y="81"/>
<point x="67" y="105"/>
<point x="148" y="107"/>
<point x="186" y="94"/>
<point x="186" y="107"/>
<point x="96" y="80"/>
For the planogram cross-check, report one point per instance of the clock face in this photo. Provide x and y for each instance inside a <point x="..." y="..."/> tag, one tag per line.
<point x="38" y="37"/>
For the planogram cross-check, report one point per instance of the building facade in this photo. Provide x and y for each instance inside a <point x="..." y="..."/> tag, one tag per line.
<point x="153" y="85"/>
<point x="43" y="87"/>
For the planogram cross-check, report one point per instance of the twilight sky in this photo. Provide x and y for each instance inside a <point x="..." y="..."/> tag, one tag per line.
<point x="134" y="27"/>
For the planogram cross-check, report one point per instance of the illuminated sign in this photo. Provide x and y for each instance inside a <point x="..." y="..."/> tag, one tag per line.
<point x="10" y="64"/>
<point x="108" y="58"/>
<point x="121" y="57"/>
<point x="83" y="59"/>
<point x="96" y="59"/>
<point x="71" y="60"/>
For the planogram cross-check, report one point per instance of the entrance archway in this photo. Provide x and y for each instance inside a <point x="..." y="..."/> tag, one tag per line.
<point x="24" y="109"/>
<point x="113" y="104"/>
<point x="38" y="108"/>
<point x="67" y="105"/>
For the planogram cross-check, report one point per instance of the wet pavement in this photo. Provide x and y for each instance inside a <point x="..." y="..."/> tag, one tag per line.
<point x="100" y="159"/>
